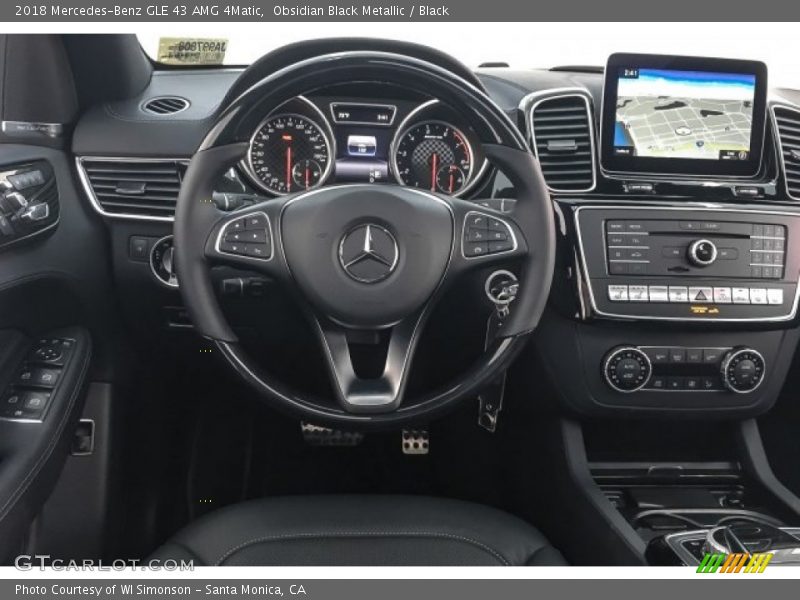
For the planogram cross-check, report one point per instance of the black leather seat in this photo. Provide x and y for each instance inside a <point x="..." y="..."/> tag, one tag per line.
<point x="359" y="530"/>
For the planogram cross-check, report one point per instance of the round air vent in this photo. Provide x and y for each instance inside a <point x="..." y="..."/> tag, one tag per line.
<point x="165" y="105"/>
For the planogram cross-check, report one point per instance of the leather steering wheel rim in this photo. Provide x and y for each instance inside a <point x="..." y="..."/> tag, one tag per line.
<point x="198" y="222"/>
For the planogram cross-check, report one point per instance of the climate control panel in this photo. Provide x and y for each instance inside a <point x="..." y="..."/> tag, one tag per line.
<point x="683" y="369"/>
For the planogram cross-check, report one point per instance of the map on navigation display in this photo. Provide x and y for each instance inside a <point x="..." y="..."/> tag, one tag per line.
<point x="684" y="114"/>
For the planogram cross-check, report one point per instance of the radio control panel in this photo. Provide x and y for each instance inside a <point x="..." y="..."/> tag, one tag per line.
<point x="689" y="264"/>
<point x="670" y="248"/>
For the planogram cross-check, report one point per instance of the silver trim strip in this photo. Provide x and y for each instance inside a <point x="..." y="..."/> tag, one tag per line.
<point x="32" y="129"/>
<point x="89" y="190"/>
<point x="590" y="286"/>
<point x="530" y="102"/>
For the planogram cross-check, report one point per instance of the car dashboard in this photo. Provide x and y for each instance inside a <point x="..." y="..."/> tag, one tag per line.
<point x="674" y="293"/>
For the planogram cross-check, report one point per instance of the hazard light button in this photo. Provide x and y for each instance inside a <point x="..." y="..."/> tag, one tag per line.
<point x="701" y="294"/>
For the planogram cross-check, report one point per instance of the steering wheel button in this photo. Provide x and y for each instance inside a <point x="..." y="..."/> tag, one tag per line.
<point x="255" y="236"/>
<point x="475" y="249"/>
<point x="476" y="235"/>
<point x="258" y="221"/>
<point x="495" y="247"/>
<point x="477" y="221"/>
<point x="257" y="250"/>
<point x="234" y="236"/>
<point x="498" y="235"/>
<point x="232" y="247"/>
<point x="237" y="225"/>
<point x="497" y="225"/>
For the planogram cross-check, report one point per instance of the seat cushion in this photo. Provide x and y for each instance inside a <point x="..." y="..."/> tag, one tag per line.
<point x="359" y="530"/>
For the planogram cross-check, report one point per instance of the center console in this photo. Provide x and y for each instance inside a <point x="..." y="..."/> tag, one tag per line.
<point x="674" y="264"/>
<point x="676" y="307"/>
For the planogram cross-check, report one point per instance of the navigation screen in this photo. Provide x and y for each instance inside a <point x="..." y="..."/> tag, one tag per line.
<point x="684" y="114"/>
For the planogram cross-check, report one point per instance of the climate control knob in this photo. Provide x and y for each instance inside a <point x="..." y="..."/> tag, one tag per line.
<point x="743" y="370"/>
<point x="627" y="369"/>
<point x="702" y="253"/>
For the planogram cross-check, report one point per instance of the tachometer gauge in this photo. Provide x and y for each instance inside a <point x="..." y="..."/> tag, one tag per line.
<point x="289" y="153"/>
<point x="433" y="155"/>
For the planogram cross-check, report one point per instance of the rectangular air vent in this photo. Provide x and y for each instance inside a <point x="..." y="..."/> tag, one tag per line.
<point x="134" y="188"/>
<point x="562" y="136"/>
<point x="787" y="125"/>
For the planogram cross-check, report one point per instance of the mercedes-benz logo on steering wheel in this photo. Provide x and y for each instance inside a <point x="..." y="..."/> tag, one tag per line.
<point x="368" y="253"/>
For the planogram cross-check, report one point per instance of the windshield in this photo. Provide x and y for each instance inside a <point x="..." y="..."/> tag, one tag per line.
<point x="521" y="45"/>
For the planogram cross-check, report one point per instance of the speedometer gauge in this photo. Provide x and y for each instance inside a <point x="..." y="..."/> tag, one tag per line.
<point x="433" y="155"/>
<point x="289" y="153"/>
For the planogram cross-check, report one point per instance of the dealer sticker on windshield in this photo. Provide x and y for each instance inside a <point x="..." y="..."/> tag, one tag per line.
<point x="192" y="51"/>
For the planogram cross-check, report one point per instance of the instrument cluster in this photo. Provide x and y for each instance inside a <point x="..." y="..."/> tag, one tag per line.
<point x="323" y="139"/>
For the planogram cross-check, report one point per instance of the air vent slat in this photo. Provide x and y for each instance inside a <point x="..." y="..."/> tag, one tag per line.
<point x="165" y="105"/>
<point x="134" y="188"/>
<point x="787" y="122"/>
<point x="562" y="136"/>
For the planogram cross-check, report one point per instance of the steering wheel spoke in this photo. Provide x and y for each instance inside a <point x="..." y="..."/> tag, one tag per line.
<point x="485" y="237"/>
<point x="247" y="239"/>
<point x="368" y="395"/>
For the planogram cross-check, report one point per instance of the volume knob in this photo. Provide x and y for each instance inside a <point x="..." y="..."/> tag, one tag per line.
<point x="743" y="370"/>
<point x="702" y="253"/>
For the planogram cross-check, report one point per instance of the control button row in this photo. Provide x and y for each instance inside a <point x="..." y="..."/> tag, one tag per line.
<point x="675" y="383"/>
<point x="629" y="254"/>
<point x="768" y="231"/>
<point x="484" y="235"/>
<point x="766" y="272"/>
<point x="755" y="230"/>
<point x="767" y="245"/>
<point x="626" y="240"/>
<point x="694" y="294"/>
<point x="680" y="252"/>
<point x="247" y="236"/>
<point x="24" y="405"/>
<point x="677" y="355"/>
<point x="38" y="377"/>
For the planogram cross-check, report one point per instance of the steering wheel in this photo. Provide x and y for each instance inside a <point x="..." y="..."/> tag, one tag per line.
<point x="364" y="256"/>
